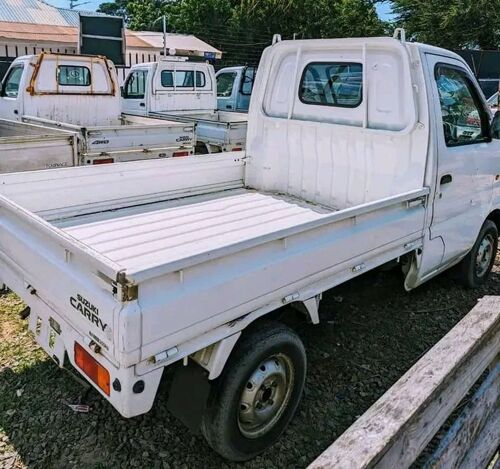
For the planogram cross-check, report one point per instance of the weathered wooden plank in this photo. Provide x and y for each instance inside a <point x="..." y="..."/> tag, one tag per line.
<point x="394" y="431"/>
<point x="482" y="452"/>
<point x="463" y="436"/>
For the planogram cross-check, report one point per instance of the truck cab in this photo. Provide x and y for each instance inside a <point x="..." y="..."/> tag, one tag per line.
<point x="171" y="84"/>
<point x="177" y="89"/>
<point x="234" y="88"/>
<point x="64" y="88"/>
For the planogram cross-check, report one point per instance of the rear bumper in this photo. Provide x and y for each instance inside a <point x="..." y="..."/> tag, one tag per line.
<point x="57" y="337"/>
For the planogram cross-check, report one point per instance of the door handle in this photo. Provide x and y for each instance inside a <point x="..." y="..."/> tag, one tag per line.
<point x="142" y="104"/>
<point x="446" y="179"/>
<point x="16" y="112"/>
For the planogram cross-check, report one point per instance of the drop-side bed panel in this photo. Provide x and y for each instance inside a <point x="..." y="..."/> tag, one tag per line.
<point x="198" y="293"/>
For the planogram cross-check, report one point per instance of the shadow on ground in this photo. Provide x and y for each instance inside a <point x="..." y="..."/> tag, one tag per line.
<point x="372" y="331"/>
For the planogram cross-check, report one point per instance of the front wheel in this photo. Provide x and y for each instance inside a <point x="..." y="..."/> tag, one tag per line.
<point x="256" y="397"/>
<point x="476" y="267"/>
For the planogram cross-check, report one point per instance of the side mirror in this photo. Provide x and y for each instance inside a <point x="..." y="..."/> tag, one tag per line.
<point x="495" y="126"/>
<point x="122" y="92"/>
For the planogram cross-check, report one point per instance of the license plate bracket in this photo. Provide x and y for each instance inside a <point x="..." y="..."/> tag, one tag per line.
<point x="48" y="338"/>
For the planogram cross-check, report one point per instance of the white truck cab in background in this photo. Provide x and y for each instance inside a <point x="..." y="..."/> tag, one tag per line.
<point x="177" y="89"/>
<point x="80" y="94"/>
<point x="361" y="152"/>
<point x="234" y="88"/>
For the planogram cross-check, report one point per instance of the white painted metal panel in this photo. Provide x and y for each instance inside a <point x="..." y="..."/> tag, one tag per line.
<point x="25" y="147"/>
<point x="337" y="156"/>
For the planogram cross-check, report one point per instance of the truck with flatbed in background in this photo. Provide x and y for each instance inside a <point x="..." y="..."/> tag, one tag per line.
<point x="180" y="90"/>
<point x="361" y="154"/>
<point x="80" y="94"/>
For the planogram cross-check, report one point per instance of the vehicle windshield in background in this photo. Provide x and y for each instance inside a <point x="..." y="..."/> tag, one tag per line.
<point x="12" y="82"/>
<point x="460" y="107"/>
<point x="332" y="84"/>
<point x="225" y="83"/>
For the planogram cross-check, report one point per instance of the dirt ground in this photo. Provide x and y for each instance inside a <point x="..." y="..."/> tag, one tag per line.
<point x="371" y="332"/>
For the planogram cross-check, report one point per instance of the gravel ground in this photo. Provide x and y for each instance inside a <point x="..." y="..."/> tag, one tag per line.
<point x="372" y="332"/>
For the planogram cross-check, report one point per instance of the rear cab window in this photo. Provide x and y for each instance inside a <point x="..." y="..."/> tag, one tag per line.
<point x="10" y="87"/>
<point x="73" y="75"/>
<point x="338" y="84"/>
<point x="182" y="79"/>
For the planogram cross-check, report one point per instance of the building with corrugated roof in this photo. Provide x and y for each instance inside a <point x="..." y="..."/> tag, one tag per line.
<point x="32" y="26"/>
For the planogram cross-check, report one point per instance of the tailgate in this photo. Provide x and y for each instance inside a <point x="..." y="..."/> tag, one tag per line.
<point x="71" y="279"/>
<point x="32" y="153"/>
<point x="138" y="137"/>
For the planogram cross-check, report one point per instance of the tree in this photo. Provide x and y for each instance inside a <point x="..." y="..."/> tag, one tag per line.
<point x="453" y="24"/>
<point x="242" y="28"/>
<point x="114" y="8"/>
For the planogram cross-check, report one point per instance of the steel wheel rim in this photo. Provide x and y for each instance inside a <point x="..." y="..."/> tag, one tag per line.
<point x="484" y="255"/>
<point x="265" y="396"/>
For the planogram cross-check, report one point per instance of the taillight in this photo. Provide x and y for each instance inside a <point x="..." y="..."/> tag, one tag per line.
<point x="180" y="153"/>
<point x="104" y="161"/>
<point x="92" y="368"/>
<point x="237" y="149"/>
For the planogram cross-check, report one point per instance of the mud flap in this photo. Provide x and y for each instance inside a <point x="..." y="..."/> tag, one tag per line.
<point x="188" y="395"/>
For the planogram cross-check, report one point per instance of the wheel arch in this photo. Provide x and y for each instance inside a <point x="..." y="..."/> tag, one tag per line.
<point x="494" y="216"/>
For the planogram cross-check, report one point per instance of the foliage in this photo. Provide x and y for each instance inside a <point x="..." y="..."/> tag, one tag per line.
<point x="242" y="28"/>
<point x="452" y="24"/>
<point x="307" y="18"/>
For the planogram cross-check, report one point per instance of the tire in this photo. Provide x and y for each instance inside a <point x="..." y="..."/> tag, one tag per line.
<point x="267" y="368"/>
<point x="476" y="267"/>
<point x="201" y="149"/>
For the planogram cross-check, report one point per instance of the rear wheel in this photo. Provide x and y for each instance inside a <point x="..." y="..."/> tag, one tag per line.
<point x="476" y="267"/>
<point x="257" y="395"/>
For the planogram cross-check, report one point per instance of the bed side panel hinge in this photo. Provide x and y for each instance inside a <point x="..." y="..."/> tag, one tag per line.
<point x="127" y="290"/>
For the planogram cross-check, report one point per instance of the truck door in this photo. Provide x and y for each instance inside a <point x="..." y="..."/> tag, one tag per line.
<point x="134" y="92"/>
<point x="245" y="88"/>
<point x="468" y="159"/>
<point x="11" y="93"/>
<point x="227" y="90"/>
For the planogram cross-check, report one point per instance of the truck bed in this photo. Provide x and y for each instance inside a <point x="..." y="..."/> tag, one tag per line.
<point x="220" y="128"/>
<point x="187" y="233"/>
<point x="128" y="138"/>
<point x="167" y="233"/>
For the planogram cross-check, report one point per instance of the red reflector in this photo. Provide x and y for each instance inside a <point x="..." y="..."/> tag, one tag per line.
<point x="92" y="368"/>
<point x="237" y="149"/>
<point x="104" y="161"/>
<point x="180" y="153"/>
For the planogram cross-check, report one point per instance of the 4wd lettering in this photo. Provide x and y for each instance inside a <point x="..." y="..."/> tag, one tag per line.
<point x="183" y="138"/>
<point x="87" y="309"/>
<point x="100" y="142"/>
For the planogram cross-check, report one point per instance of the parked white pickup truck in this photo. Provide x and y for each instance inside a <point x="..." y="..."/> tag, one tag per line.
<point x="357" y="157"/>
<point x="175" y="89"/>
<point x="26" y="147"/>
<point x="81" y="94"/>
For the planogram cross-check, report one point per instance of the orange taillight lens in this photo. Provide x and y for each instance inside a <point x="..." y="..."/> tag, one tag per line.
<point x="104" y="161"/>
<point x="92" y="368"/>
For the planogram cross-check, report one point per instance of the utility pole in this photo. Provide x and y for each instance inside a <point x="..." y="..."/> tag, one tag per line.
<point x="164" y="35"/>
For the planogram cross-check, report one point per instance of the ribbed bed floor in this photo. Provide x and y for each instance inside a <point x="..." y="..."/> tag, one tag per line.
<point x="146" y="236"/>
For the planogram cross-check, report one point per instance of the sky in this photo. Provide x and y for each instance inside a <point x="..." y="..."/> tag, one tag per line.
<point x="383" y="9"/>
